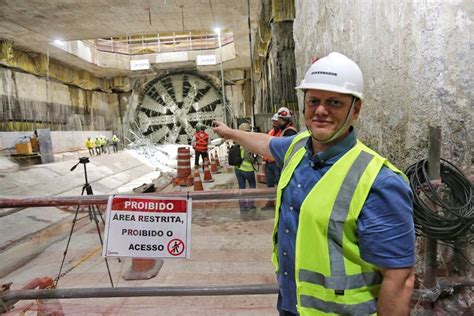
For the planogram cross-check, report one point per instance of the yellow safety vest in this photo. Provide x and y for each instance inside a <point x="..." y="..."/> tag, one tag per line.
<point x="245" y="165"/>
<point x="331" y="277"/>
<point x="90" y="144"/>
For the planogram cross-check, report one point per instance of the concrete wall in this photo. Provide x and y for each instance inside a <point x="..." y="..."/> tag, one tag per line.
<point x="61" y="141"/>
<point x="416" y="57"/>
<point x="28" y="102"/>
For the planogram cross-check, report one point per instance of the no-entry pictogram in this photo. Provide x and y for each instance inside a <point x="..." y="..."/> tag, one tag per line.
<point x="175" y="247"/>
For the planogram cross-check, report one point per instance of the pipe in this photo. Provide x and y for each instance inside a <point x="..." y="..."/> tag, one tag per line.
<point x="251" y="289"/>
<point x="30" y="201"/>
<point x="431" y="245"/>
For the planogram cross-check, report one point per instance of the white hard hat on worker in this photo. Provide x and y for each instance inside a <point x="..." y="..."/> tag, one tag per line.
<point x="336" y="83"/>
<point x="284" y="113"/>
<point x="336" y="73"/>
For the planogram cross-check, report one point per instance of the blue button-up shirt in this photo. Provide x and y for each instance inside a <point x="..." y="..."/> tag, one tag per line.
<point x="385" y="226"/>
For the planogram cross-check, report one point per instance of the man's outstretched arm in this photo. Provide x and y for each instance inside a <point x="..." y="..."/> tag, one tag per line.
<point x="257" y="143"/>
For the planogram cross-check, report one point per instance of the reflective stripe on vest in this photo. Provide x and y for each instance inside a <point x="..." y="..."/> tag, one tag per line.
<point x="340" y="211"/>
<point x="297" y="146"/>
<point x="202" y="140"/>
<point x="341" y="283"/>
<point x="331" y="277"/>
<point x="366" y="308"/>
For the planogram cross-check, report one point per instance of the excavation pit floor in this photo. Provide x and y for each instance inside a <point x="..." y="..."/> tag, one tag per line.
<point x="227" y="247"/>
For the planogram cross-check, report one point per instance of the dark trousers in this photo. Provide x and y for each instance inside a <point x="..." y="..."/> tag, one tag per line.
<point x="242" y="178"/>
<point x="280" y="311"/>
<point x="272" y="174"/>
<point x="91" y="151"/>
<point x="197" y="154"/>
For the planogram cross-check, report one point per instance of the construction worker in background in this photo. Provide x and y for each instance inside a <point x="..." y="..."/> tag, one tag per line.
<point x="115" y="141"/>
<point x="98" y="144"/>
<point x="344" y="239"/>
<point x="272" y="171"/>
<point x="103" y="144"/>
<point x="245" y="173"/>
<point x="286" y="124"/>
<point x="107" y="144"/>
<point x="200" y="143"/>
<point x="90" y="144"/>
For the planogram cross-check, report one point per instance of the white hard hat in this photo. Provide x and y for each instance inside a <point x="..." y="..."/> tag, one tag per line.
<point x="284" y="112"/>
<point x="336" y="73"/>
<point x="275" y="117"/>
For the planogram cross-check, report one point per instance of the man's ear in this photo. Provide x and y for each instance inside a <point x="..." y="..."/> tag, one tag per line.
<point x="357" y="107"/>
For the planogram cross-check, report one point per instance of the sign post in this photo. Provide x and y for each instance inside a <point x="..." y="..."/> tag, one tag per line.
<point x="147" y="227"/>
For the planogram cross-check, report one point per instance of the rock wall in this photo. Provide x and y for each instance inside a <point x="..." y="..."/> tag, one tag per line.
<point x="28" y="102"/>
<point x="274" y="59"/>
<point x="416" y="57"/>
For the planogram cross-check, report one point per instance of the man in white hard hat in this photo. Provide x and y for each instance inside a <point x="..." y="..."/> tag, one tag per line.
<point x="344" y="240"/>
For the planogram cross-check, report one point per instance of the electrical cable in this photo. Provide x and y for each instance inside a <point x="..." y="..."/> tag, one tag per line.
<point x="444" y="213"/>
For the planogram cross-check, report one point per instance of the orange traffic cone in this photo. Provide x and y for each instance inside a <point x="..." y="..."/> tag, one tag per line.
<point x="216" y="157"/>
<point x="197" y="181"/>
<point x="143" y="269"/>
<point x="214" y="165"/>
<point x="207" y="172"/>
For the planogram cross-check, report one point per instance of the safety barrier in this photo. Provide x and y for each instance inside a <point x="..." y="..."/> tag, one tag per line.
<point x="71" y="293"/>
<point x="200" y="198"/>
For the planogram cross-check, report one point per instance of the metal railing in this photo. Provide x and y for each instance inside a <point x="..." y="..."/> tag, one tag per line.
<point x="100" y="292"/>
<point x="200" y="198"/>
<point x="152" y="44"/>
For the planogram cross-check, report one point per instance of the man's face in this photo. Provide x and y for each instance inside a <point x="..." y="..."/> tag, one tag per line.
<point x="275" y="124"/>
<point x="281" y="122"/>
<point x="325" y="112"/>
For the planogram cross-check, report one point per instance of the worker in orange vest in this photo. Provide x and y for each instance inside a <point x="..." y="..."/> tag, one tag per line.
<point x="200" y="144"/>
<point x="286" y="124"/>
<point x="272" y="171"/>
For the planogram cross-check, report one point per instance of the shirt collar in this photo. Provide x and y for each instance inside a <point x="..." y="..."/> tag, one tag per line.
<point x="344" y="145"/>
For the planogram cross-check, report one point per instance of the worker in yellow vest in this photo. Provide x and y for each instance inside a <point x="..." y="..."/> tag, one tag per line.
<point x="115" y="142"/>
<point x="90" y="144"/>
<point x="245" y="174"/>
<point x="344" y="239"/>
<point x="98" y="144"/>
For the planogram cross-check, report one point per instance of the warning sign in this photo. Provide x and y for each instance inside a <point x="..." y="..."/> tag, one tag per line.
<point x="147" y="227"/>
